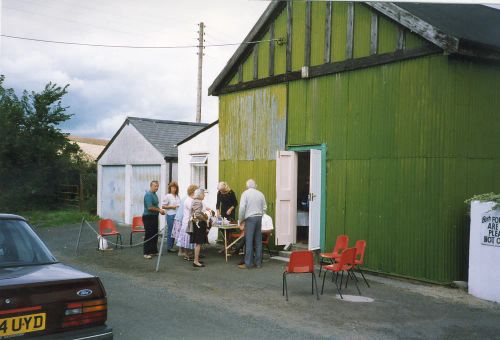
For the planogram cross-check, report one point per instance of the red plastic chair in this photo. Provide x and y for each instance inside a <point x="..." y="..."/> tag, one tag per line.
<point x="108" y="228"/>
<point x="265" y="241"/>
<point x="137" y="226"/>
<point x="360" y="256"/>
<point x="345" y="264"/>
<point x="340" y="245"/>
<point x="301" y="262"/>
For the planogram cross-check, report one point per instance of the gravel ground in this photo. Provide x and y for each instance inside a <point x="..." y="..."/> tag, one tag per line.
<point x="221" y="301"/>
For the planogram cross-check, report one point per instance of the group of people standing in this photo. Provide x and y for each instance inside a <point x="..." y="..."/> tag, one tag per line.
<point x="187" y="220"/>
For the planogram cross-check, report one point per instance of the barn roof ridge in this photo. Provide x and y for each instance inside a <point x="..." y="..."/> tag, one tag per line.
<point x="464" y="29"/>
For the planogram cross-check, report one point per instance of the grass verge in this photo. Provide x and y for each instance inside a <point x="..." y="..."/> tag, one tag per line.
<point x="54" y="218"/>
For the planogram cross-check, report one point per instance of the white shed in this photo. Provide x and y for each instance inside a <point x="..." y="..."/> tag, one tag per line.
<point x="199" y="161"/>
<point x="142" y="150"/>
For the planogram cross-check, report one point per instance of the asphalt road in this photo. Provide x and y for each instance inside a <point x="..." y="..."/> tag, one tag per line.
<point x="221" y="301"/>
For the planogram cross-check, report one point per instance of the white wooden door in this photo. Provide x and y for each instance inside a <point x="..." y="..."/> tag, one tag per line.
<point x="315" y="200"/>
<point x="113" y="193"/>
<point x="142" y="175"/>
<point x="286" y="197"/>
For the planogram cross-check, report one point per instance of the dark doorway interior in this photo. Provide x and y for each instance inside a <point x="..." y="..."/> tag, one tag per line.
<point x="303" y="197"/>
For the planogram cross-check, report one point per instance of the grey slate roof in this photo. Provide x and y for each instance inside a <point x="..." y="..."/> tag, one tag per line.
<point x="475" y="23"/>
<point x="198" y="132"/>
<point x="165" y="134"/>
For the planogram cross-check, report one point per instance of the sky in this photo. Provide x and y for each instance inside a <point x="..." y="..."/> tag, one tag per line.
<point x="109" y="84"/>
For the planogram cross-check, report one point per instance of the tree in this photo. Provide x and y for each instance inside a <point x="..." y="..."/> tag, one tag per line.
<point x="35" y="155"/>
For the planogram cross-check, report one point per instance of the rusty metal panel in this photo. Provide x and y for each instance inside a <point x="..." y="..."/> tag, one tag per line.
<point x="113" y="192"/>
<point x="253" y="123"/>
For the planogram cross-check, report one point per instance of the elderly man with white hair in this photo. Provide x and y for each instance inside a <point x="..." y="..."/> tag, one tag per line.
<point x="252" y="207"/>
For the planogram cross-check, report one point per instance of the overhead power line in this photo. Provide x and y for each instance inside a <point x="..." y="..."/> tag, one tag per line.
<point x="132" y="46"/>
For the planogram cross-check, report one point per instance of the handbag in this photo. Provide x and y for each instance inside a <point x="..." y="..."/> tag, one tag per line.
<point x="189" y="228"/>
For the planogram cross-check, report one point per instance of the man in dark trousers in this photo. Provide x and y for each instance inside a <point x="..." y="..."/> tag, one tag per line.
<point x="150" y="220"/>
<point x="252" y="207"/>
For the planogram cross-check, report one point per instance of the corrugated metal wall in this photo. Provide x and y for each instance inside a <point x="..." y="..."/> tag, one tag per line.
<point x="252" y="123"/>
<point x="387" y="38"/>
<point x="407" y="143"/>
<point x="113" y="193"/>
<point x="252" y="127"/>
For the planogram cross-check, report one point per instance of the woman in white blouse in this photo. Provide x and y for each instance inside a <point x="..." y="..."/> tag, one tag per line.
<point x="171" y="203"/>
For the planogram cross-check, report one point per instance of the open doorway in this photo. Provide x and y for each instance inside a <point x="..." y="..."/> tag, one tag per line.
<point x="299" y="197"/>
<point x="303" y="190"/>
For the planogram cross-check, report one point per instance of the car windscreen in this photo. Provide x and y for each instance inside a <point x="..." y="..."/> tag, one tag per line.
<point x="20" y="246"/>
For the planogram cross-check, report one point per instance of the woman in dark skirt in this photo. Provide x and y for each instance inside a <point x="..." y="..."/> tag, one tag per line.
<point x="199" y="219"/>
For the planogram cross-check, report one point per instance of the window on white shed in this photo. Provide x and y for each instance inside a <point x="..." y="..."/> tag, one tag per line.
<point x="199" y="165"/>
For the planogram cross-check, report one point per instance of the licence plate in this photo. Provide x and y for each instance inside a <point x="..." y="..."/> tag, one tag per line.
<point x="22" y="324"/>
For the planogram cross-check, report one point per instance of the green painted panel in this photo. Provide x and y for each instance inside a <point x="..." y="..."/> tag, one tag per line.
<point x="414" y="41"/>
<point x="263" y="71"/>
<point x="408" y="142"/>
<point x="339" y="31"/>
<point x="387" y="35"/>
<point x="318" y="12"/>
<point x="248" y="68"/>
<point x="252" y="123"/>
<point x="359" y="115"/>
<point x="236" y="173"/>
<point x="298" y="34"/>
<point x="335" y="201"/>
<point x="483" y="121"/>
<point x="362" y="30"/>
<point x="234" y="80"/>
<point x="280" y="50"/>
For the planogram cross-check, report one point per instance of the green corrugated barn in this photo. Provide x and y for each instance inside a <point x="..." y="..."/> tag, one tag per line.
<point x="375" y="120"/>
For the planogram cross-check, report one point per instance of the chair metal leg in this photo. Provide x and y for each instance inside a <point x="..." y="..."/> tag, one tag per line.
<point x="323" y="285"/>
<point x="338" y="289"/>
<point x="356" y="282"/>
<point x="269" y="250"/>
<point x="341" y="278"/>
<point x="312" y="284"/>
<point x="347" y="279"/>
<point x="361" y="272"/>
<point x="131" y="238"/>
<point x="283" y="285"/>
<point x="320" y="265"/>
<point x="316" y="285"/>
<point x="286" y="289"/>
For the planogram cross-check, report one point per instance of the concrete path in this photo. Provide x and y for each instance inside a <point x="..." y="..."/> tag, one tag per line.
<point x="221" y="301"/>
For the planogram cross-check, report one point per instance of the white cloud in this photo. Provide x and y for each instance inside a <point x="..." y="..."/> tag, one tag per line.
<point x="108" y="84"/>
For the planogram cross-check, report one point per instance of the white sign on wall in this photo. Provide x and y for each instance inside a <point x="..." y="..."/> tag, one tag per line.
<point x="490" y="228"/>
<point x="484" y="251"/>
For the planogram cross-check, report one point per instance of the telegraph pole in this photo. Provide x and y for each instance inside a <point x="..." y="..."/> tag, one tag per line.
<point x="200" y="66"/>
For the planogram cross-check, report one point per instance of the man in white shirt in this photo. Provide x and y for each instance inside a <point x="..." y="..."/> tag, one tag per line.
<point x="252" y="207"/>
